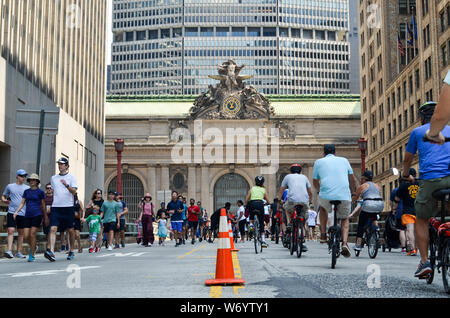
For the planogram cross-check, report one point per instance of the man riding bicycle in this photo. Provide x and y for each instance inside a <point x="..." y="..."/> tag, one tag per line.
<point x="255" y="201"/>
<point x="434" y="170"/>
<point x="334" y="179"/>
<point x="299" y="194"/>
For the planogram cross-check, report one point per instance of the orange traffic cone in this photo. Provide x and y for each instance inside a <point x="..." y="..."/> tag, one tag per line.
<point x="224" y="265"/>
<point x="233" y="248"/>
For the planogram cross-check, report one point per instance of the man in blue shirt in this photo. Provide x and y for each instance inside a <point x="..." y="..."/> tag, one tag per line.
<point x="434" y="169"/>
<point x="175" y="209"/>
<point x="333" y="177"/>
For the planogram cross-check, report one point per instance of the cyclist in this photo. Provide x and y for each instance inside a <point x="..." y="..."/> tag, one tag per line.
<point x="255" y="200"/>
<point x="299" y="194"/>
<point x="407" y="193"/>
<point x="434" y="170"/>
<point x="372" y="204"/>
<point x="333" y="177"/>
<point x="441" y="115"/>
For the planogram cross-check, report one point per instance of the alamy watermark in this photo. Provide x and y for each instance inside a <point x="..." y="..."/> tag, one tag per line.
<point x="374" y="279"/>
<point x="73" y="17"/>
<point x="74" y="279"/>
<point x="374" y="16"/>
<point x="232" y="145"/>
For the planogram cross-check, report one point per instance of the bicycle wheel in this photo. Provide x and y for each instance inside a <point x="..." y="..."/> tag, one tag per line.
<point x="372" y="244"/>
<point x="293" y="244"/>
<point x="432" y="256"/>
<point x="300" y="233"/>
<point x="277" y="234"/>
<point x="334" y="249"/>
<point x="256" y="234"/>
<point x="446" y="265"/>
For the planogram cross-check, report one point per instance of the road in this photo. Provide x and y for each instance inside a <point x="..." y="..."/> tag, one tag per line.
<point x="180" y="272"/>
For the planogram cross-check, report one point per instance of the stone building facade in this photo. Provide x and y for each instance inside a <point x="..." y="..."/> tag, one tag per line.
<point x="149" y="127"/>
<point x="394" y="86"/>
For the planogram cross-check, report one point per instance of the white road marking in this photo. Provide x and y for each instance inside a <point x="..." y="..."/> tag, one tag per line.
<point x="43" y="273"/>
<point x="123" y="254"/>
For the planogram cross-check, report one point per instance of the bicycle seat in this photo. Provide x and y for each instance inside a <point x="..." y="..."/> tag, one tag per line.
<point x="335" y="202"/>
<point x="441" y="194"/>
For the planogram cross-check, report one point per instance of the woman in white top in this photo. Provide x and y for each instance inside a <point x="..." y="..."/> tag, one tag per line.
<point x="242" y="220"/>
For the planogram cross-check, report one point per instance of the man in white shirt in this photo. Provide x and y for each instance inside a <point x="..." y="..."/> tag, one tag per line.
<point x="62" y="213"/>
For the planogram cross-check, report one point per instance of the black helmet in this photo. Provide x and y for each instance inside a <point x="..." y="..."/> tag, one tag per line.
<point x="426" y="111"/>
<point x="412" y="172"/>
<point x="259" y="180"/>
<point x="296" y="168"/>
<point x="368" y="175"/>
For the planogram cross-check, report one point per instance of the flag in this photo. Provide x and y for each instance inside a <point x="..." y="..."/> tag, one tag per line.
<point x="410" y="33"/>
<point x="400" y="46"/>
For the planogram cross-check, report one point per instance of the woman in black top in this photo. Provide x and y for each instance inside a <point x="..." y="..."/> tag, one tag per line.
<point x="96" y="200"/>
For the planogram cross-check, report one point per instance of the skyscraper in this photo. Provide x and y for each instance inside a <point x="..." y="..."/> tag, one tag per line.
<point x="52" y="62"/>
<point x="289" y="46"/>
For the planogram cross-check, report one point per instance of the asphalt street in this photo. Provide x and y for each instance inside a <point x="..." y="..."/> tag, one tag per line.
<point x="180" y="272"/>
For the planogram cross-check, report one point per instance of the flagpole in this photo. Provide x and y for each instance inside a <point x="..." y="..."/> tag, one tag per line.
<point x="406" y="38"/>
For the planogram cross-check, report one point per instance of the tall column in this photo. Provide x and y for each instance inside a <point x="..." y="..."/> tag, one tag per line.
<point x="165" y="178"/>
<point x="271" y="186"/>
<point x="192" y="183"/>
<point x="151" y="182"/>
<point x="206" y="200"/>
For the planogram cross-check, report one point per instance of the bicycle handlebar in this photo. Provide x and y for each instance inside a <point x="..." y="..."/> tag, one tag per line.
<point x="426" y="139"/>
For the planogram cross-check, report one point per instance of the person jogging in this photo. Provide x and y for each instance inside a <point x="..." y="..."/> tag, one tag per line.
<point x="12" y="196"/>
<point x="193" y="215"/>
<point x="123" y="210"/>
<point x="175" y="210"/>
<point x="111" y="218"/>
<point x="62" y="214"/>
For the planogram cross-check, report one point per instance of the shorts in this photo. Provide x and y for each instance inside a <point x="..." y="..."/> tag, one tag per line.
<point x="45" y="229"/>
<point x="426" y="206"/>
<point x="290" y="208"/>
<point x="193" y="224"/>
<point x="111" y="226"/>
<point x="177" y="226"/>
<point x="77" y="225"/>
<point x="399" y="225"/>
<point x="17" y="223"/>
<point x="408" y="219"/>
<point x="312" y="227"/>
<point x="63" y="218"/>
<point x="122" y="225"/>
<point x="32" y="222"/>
<point x="93" y="237"/>
<point x="343" y="211"/>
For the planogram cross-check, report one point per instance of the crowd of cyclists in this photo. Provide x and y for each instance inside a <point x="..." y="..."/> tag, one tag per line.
<point x="413" y="203"/>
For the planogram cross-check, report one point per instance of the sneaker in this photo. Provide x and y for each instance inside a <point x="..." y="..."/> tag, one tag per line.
<point x="20" y="255"/>
<point x="304" y="249"/>
<point x="423" y="269"/>
<point x="357" y="248"/>
<point x="210" y="241"/>
<point x="49" y="255"/>
<point x="116" y="246"/>
<point x="184" y="242"/>
<point x="31" y="258"/>
<point x="123" y="244"/>
<point x="96" y="250"/>
<point x="177" y="244"/>
<point x="323" y="238"/>
<point x="264" y="244"/>
<point x="403" y="250"/>
<point x="149" y="245"/>
<point x="346" y="251"/>
<point x="91" y="250"/>
<point x="110" y="248"/>
<point x="9" y="255"/>
<point x="62" y="249"/>
<point x="412" y="253"/>
<point x="193" y="242"/>
<point x="70" y="256"/>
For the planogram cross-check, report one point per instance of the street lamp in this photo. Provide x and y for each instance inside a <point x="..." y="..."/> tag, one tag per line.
<point x="118" y="144"/>
<point x="363" y="147"/>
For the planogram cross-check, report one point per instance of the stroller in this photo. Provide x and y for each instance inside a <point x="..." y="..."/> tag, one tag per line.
<point x="391" y="234"/>
<point x="139" y="229"/>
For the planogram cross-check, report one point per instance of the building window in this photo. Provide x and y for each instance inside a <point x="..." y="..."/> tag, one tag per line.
<point x="444" y="55"/>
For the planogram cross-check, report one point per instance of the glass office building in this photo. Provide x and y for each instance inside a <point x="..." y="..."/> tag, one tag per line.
<point x="169" y="47"/>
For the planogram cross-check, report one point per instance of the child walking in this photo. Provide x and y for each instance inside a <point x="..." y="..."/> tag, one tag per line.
<point x="94" y="222"/>
<point x="162" y="229"/>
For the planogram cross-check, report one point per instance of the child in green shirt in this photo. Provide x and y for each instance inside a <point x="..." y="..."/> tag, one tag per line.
<point x="94" y="222"/>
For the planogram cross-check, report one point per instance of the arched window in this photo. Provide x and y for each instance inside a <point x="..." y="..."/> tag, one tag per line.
<point x="230" y="188"/>
<point x="132" y="191"/>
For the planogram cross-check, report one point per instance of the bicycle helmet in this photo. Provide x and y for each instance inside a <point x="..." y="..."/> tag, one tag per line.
<point x="259" y="180"/>
<point x="426" y="111"/>
<point x="368" y="175"/>
<point x="296" y="168"/>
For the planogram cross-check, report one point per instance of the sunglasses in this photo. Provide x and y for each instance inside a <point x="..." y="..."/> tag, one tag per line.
<point x="23" y="175"/>
<point x="48" y="189"/>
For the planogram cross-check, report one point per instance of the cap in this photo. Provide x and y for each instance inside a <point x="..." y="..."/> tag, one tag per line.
<point x="63" y="160"/>
<point x="368" y="175"/>
<point x="21" y="172"/>
<point x="412" y="172"/>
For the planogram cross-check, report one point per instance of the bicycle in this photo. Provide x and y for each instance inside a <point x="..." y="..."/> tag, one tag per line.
<point x="440" y="239"/>
<point x="277" y="228"/>
<point x="297" y="236"/>
<point x="235" y="228"/>
<point x="256" y="234"/>
<point x="334" y="237"/>
<point x="371" y="238"/>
